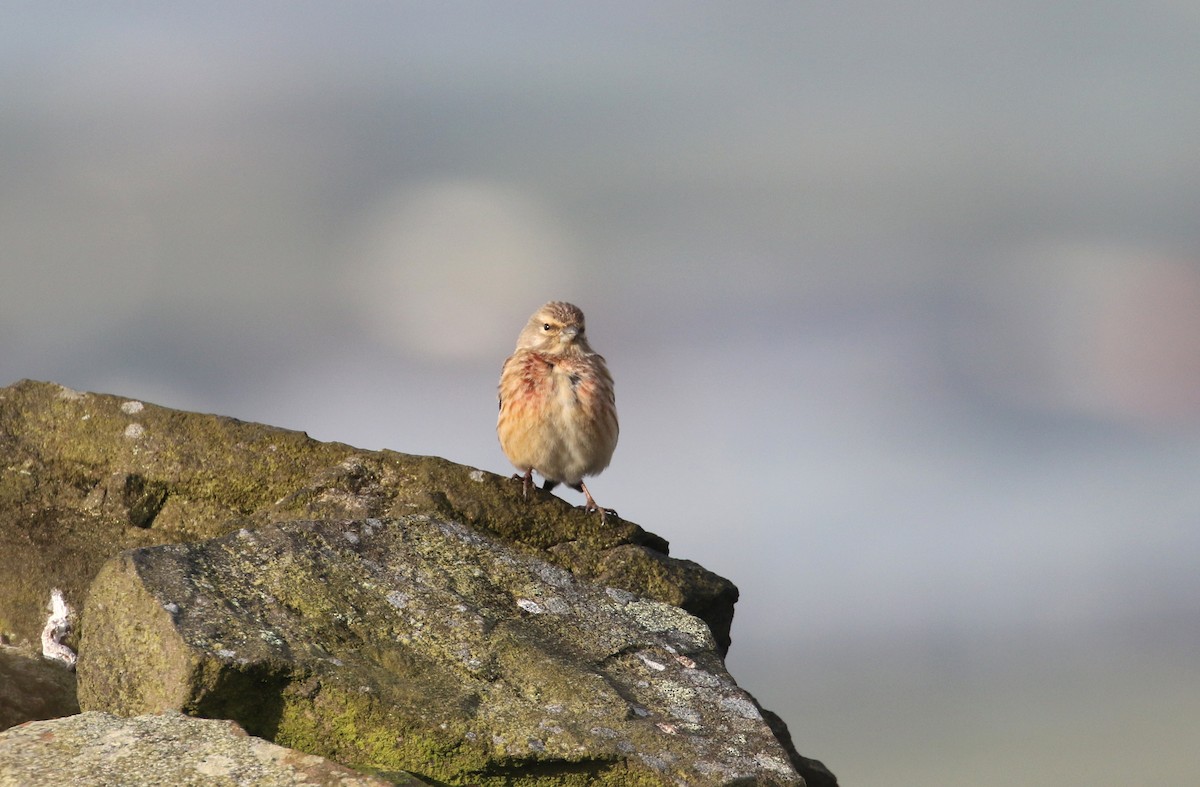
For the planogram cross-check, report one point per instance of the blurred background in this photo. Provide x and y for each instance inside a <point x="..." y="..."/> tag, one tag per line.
<point x="902" y="302"/>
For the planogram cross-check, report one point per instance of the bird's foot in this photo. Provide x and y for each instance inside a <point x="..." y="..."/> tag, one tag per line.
<point x="591" y="505"/>
<point x="605" y="513"/>
<point x="526" y="481"/>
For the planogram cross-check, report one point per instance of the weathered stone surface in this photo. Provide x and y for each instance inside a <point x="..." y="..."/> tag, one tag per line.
<point x="418" y="644"/>
<point x="84" y="476"/>
<point x="100" y="750"/>
<point x="33" y="688"/>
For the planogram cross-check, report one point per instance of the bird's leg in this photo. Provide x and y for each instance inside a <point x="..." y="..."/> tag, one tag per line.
<point x="591" y="504"/>
<point x="526" y="480"/>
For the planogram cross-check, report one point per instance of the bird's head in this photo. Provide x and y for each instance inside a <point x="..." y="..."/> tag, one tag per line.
<point x="555" y="328"/>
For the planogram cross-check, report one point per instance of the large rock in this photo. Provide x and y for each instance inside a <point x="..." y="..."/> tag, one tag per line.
<point x="418" y="644"/>
<point x="100" y="750"/>
<point x="84" y="476"/>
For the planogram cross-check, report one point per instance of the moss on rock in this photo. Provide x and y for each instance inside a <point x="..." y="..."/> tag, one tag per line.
<point x="85" y="476"/>
<point x="418" y="644"/>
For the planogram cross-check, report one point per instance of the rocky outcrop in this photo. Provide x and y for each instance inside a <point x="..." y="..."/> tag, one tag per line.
<point x="417" y="644"/>
<point x="98" y="750"/>
<point x="397" y="614"/>
<point x="85" y="476"/>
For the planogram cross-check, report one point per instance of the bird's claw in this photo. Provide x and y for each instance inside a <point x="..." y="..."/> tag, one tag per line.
<point x="525" y="481"/>
<point x="604" y="512"/>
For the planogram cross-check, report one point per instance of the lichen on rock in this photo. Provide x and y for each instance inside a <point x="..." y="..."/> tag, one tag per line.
<point x="393" y="612"/>
<point x="79" y="483"/>
<point x="418" y="644"/>
<point x="98" y="749"/>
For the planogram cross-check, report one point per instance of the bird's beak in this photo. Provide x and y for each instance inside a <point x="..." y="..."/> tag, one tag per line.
<point x="570" y="333"/>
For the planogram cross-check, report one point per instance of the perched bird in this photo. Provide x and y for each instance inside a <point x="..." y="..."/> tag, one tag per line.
<point x="558" y="412"/>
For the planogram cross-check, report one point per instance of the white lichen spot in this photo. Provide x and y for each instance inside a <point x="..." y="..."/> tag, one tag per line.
<point x="742" y="707"/>
<point x="669" y="729"/>
<point x="476" y="476"/>
<point x="117" y="744"/>
<point x="676" y="693"/>
<point x="639" y="711"/>
<point x="687" y="630"/>
<point x="660" y="764"/>
<point x="651" y="663"/>
<point x="553" y="575"/>
<point x="134" y="431"/>
<point x="270" y="637"/>
<point x="70" y="394"/>
<point x="216" y="765"/>
<point x="530" y="606"/>
<point x="688" y="715"/>
<point x="702" y="678"/>
<point x="132" y="407"/>
<point x="772" y="763"/>
<point x="226" y="653"/>
<point x="335" y="661"/>
<point x="397" y="599"/>
<point x="58" y="627"/>
<point x="350" y="536"/>
<point x="171" y="607"/>
<point x="557" y="605"/>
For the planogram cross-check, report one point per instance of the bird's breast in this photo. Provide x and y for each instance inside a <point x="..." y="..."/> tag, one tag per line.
<point x="557" y="415"/>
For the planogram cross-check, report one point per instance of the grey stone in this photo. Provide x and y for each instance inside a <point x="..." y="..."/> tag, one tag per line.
<point x="84" y="476"/>
<point x="418" y="644"/>
<point x="101" y="750"/>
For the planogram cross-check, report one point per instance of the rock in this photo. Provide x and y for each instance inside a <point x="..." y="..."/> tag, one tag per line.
<point x="85" y="476"/>
<point x="327" y="667"/>
<point x="33" y="688"/>
<point x="419" y="644"/>
<point x="814" y="771"/>
<point x="97" y="749"/>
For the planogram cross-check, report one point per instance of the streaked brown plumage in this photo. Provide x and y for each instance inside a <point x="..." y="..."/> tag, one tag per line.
<point x="558" y="412"/>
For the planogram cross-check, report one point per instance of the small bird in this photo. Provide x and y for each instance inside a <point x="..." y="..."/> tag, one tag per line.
<point x="558" y="411"/>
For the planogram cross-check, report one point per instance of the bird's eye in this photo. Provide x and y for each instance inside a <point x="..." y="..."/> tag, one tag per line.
<point x="546" y="326"/>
